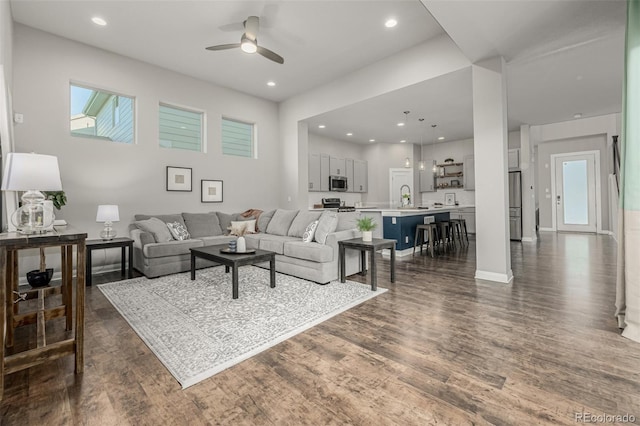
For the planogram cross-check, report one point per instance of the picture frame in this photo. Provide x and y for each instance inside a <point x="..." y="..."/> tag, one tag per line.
<point x="450" y="199"/>
<point x="179" y="179"/>
<point x="211" y="191"/>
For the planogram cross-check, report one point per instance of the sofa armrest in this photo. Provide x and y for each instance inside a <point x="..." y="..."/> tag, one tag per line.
<point x="334" y="237"/>
<point x="141" y="238"/>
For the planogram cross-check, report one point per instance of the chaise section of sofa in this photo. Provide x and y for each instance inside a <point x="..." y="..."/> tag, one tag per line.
<point x="281" y="231"/>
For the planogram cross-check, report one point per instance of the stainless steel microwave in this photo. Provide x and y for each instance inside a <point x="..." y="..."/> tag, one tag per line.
<point x="337" y="183"/>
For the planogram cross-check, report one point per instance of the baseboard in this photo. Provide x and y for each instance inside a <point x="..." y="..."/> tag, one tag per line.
<point x="494" y="276"/>
<point x="528" y="239"/>
<point x="546" y="229"/>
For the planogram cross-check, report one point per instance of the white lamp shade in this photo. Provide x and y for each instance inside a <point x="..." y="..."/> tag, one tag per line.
<point x="108" y="213"/>
<point x="25" y="172"/>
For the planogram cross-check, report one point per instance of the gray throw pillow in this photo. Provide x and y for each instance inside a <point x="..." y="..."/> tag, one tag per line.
<point x="225" y="221"/>
<point x="281" y="221"/>
<point x="264" y="219"/>
<point x="302" y="220"/>
<point x="326" y="225"/>
<point x="202" y="224"/>
<point x="155" y="227"/>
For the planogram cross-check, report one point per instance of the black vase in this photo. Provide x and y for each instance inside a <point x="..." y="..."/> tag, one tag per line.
<point x="39" y="278"/>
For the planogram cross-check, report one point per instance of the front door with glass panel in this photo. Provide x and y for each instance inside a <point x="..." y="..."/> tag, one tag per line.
<point x="575" y="193"/>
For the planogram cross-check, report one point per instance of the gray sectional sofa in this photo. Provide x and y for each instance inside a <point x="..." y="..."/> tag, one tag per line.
<point x="157" y="252"/>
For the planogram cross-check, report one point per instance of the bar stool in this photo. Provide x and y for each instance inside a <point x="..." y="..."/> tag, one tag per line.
<point x="460" y="226"/>
<point x="432" y="236"/>
<point x="446" y="233"/>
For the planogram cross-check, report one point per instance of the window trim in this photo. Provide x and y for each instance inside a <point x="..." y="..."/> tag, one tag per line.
<point x="254" y="136"/>
<point x="203" y="124"/>
<point x="134" y="112"/>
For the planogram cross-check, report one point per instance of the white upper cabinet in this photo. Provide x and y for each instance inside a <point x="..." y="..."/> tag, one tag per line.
<point x="514" y="159"/>
<point x="360" y="177"/>
<point x="337" y="167"/>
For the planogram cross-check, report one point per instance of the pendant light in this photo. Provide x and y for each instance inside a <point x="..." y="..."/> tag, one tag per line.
<point x="435" y="168"/>
<point x="421" y="164"/>
<point x="407" y="161"/>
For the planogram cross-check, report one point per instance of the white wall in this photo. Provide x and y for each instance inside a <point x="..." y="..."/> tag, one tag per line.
<point x="380" y="158"/>
<point x="6" y="39"/>
<point x="134" y="176"/>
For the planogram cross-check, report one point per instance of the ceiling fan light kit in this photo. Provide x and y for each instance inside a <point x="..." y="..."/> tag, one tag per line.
<point x="249" y="42"/>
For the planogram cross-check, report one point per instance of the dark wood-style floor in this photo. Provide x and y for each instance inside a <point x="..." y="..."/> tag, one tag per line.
<point x="438" y="348"/>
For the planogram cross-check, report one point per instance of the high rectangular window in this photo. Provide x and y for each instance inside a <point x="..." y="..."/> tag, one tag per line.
<point x="180" y="128"/>
<point x="100" y="114"/>
<point x="238" y="138"/>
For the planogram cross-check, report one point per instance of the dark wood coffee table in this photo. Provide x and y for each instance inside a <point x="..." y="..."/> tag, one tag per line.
<point x="233" y="261"/>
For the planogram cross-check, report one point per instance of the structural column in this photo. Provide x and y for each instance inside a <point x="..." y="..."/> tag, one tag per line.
<point x="493" y="256"/>
<point x="528" y="185"/>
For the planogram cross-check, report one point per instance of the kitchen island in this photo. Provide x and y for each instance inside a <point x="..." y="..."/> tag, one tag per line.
<point x="400" y="223"/>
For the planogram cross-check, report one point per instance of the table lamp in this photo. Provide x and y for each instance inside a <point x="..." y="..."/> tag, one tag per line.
<point x="108" y="214"/>
<point x="31" y="173"/>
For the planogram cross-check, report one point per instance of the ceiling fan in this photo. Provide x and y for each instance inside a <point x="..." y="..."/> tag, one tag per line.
<point x="249" y="42"/>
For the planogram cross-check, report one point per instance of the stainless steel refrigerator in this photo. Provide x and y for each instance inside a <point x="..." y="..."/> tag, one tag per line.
<point x="515" y="206"/>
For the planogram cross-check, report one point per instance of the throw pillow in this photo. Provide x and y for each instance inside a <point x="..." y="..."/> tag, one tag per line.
<point x="326" y="225"/>
<point x="281" y="221"/>
<point x="178" y="231"/>
<point x="299" y="224"/>
<point x="202" y="224"/>
<point x="264" y="219"/>
<point x="310" y="232"/>
<point x="155" y="227"/>
<point x="243" y="227"/>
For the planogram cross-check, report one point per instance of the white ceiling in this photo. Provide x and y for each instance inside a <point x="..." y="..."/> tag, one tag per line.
<point x="563" y="57"/>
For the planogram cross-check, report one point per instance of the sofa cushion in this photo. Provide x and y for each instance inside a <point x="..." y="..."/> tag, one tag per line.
<point x="202" y="224"/>
<point x="347" y="220"/>
<point x="326" y="225"/>
<point x="314" y="252"/>
<point x="281" y="221"/>
<point x="166" y="218"/>
<point x="301" y="221"/>
<point x="155" y="227"/>
<point x="171" y="248"/>
<point x="275" y="243"/>
<point x="310" y="232"/>
<point x="178" y="231"/>
<point x="263" y="220"/>
<point x="226" y="219"/>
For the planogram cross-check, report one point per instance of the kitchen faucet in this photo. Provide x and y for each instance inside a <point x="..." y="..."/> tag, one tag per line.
<point x="402" y="198"/>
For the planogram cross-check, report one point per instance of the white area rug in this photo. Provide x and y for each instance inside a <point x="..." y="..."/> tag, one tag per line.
<point x="197" y="330"/>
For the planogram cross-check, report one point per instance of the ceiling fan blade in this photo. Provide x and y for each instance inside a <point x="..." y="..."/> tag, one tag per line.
<point x="270" y="55"/>
<point x="251" y="26"/>
<point x="223" y="46"/>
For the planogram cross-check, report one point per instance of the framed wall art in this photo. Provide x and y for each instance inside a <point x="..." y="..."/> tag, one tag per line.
<point x="450" y="199"/>
<point x="211" y="191"/>
<point x="178" y="179"/>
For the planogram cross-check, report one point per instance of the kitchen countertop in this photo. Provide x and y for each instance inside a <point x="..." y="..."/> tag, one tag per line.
<point x="414" y="211"/>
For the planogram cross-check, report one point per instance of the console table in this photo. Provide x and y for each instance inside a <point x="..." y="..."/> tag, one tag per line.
<point x="123" y="243"/>
<point x="10" y="243"/>
<point x="364" y="247"/>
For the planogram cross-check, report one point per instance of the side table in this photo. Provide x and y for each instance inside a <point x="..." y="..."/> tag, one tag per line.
<point x="370" y="246"/>
<point x="121" y="242"/>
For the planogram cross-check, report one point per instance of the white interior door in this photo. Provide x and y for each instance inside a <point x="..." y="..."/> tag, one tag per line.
<point x="398" y="178"/>
<point x="576" y="193"/>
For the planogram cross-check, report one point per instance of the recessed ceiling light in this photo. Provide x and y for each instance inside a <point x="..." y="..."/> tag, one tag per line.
<point x="390" y="23"/>
<point x="441" y="138"/>
<point x="400" y="124"/>
<point x="403" y="141"/>
<point x="372" y="140"/>
<point x="271" y="83"/>
<point x="349" y="134"/>
<point x="578" y="115"/>
<point x="98" y="21"/>
<point x="321" y="126"/>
